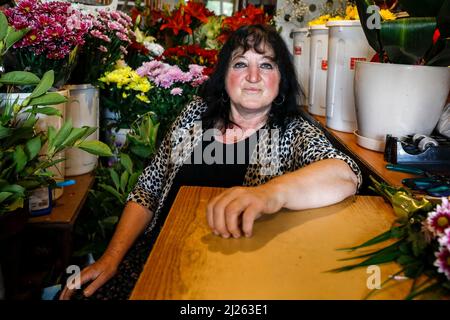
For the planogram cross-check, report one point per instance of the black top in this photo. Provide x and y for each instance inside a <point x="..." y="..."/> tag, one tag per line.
<point x="213" y="164"/>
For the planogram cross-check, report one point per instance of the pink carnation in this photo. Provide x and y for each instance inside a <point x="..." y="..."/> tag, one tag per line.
<point x="176" y="91"/>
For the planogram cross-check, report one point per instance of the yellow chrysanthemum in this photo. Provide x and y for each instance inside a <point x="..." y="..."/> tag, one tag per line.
<point x="351" y="13"/>
<point x="143" y="98"/>
<point x="387" y="15"/>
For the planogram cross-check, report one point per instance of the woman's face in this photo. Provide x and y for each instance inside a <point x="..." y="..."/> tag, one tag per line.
<point x="252" y="79"/>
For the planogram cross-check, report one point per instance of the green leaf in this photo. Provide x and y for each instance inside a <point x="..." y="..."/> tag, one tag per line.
<point x="376" y="259"/>
<point x="13" y="188"/>
<point x="110" y="221"/>
<point x="14" y="36"/>
<point x="3" y="26"/>
<point x="50" y="98"/>
<point x="126" y="162"/>
<point x="422" y="8"/>
<point x="133" y="180"/>
<point x="407" y="40"/>
<point x="63" y="133"/>
<point x="32" y="147"/>
<point x="95" y="147"/>
<point x="141" y="151"/>
<point x="18" y="78"/>
<point x="380" y="238"/>
<point x="442" y="57"/>
<point x="392" y="248"/>
<point x="20" y="158"/>
<point x="51" y="134"/>
<point x="112" y="191"/>
<point x="123" y="181"/>
<point x="74" y="136"/>
<point x="18" y="203"/>
<point x="49" y="111"/>
<point x="44" y="85"/>
<point x="115" y="178"/>
<point x="4" y="196"/>
<point x="4" y="132"/>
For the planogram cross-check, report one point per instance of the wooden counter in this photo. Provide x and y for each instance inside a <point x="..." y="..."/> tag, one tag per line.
<point x="67" y="208"/>
<point x="286" y="258"/>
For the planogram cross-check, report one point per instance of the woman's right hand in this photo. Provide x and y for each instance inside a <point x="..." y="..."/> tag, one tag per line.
<point x="97" y="273"/>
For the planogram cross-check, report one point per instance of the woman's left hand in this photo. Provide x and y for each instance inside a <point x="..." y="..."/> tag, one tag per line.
<point x="233" y="212"/>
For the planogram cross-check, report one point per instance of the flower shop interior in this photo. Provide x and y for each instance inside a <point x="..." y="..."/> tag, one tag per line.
<point x="90" y="88"/>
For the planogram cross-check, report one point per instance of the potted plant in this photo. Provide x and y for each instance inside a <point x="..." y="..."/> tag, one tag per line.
<point x="406" y="91"/>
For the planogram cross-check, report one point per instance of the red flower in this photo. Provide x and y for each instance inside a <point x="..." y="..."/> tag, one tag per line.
<point x="198" y="11"/>
<point x="436" y="36"/>
<point x="178" y="22"/>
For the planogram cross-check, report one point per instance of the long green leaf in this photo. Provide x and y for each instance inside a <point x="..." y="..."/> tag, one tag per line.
<point x="13" y="188"/>
<point x="32" y="147"/>
<point x="4" y="132"/>
<point x="380" y="238"/>
<point x="75" y="135"/>
<point x="393" y="247"/>
<point x="407" y="40"/>
<point x="123" y="181"/>
<point x="115" y="178"/>
<point x="50" y="98"/>
<point x="44" y="85"/>
<point x="376" y="259"/>
<point x="125" y="160"/>
<point x="18" y="78"/>
<point x="442" y="57"/>
<point x="49" y="111"/>
<point x="20" y="158"/>
<point x="97" y="148"/>
<point x="112" y="191"/>
<point x="63" y="133"/>
<point x="132" y="181"/>
<point x="3" y="26"/>
<point x="4" y="196"/>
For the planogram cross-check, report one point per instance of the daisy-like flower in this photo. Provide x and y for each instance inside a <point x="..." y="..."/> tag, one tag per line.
<point x="439" y="220"/>
<point x="443" y="261"/>
<point x="176" y="91"/>
<point x="444" y="241"/>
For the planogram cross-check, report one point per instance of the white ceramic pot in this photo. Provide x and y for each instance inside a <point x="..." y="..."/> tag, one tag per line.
<point x="302" y="52"/>
<point x="318" y="70"/>
<point x="83" y="109"/>
<point x="398" y="100"/>
<point x="42" y="124"/>
<point x="346" y="45"/>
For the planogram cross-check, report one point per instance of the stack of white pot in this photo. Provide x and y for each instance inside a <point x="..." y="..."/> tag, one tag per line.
<point x="369" y="99"/>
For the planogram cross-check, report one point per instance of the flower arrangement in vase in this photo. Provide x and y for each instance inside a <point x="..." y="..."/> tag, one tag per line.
<point x="56" y="31"/>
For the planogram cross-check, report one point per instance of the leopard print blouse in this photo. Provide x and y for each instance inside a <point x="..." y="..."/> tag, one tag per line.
<point x="300" y="144"/>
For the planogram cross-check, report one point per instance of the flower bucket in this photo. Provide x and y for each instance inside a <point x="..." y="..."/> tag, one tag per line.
<point x="346" y="45"/>
<point x="83" y="109"/>
<point x="42" y="124"/>
<point x="318" y="70"/>
<point x="398" y="100"/>
<point x="302" y="52"/>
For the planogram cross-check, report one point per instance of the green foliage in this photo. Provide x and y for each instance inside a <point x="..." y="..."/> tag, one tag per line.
<point x="409" y="40"/>
<point x="407" y="243"/>
<point x="107" y="198"/>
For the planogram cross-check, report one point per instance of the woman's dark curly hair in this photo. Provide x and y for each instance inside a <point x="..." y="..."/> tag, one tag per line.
<point x="252" y="37"/>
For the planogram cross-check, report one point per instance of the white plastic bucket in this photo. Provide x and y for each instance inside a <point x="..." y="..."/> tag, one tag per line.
<point x="318" y="70"/>
<point x="83" y="109"/>
<point x="346" y="45"/>
<point x="302" y="52"/>
<point x="398" y="99"/>
<point x="42" y="124"/>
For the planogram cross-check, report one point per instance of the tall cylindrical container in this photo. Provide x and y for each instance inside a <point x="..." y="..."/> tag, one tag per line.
<point x="83" y="109"/>
<point x="302" y="52"/>
<point x="318" y="70"/>
<point x="346" y="45"/>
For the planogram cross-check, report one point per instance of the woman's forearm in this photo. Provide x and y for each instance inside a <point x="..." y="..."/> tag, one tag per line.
<point x="135" y="218"/>
<point x="321" y="183"/>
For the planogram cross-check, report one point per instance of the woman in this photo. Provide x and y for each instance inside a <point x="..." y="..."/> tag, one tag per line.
<point x="250" y="105"/>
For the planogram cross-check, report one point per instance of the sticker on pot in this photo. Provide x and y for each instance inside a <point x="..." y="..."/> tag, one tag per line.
<point x="353" y="62"/>
<point x="324" y="64"/>
<point x="298" y="50"/>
